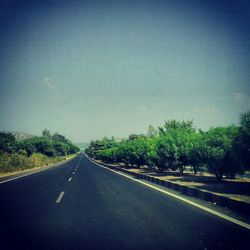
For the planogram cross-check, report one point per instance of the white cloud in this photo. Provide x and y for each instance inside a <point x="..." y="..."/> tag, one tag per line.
<point x="48" y="81"/>
<point x="202" y="113"/>
<point x="241" y="98"/>
<point x="142" y="108"/>
<point x="206" y="110"/>
<point x="54" y="94"/>
<point x="56" y="97"/>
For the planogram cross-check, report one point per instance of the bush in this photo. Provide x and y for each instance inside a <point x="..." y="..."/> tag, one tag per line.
<point x="7" y="142"/>
<point x="16" y="161"/>
<point x="33" y="152"/>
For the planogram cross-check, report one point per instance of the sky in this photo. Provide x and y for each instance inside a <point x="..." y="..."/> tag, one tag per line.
<point x="89" y="69"/>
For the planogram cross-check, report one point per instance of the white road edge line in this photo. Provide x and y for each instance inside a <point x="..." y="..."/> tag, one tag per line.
<point x="60" y="197"/>
<point x="38" y="171"/>
<point x="209" y="210"/>
<point x="18" y="177"/>
<point x="69" y="179"/>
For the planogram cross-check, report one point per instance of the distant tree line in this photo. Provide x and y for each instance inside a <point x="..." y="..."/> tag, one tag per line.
<point x="222" y="151"/>
<point x="36" y="151"/>
<point x="47" y="144"/>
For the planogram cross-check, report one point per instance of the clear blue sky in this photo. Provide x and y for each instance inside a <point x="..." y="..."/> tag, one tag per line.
<point x="89" y="69"/>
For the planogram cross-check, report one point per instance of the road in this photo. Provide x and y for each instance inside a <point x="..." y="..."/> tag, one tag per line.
<point x="79" y="205"/>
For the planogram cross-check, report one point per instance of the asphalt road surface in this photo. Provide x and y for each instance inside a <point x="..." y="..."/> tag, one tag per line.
<point x="79" y="205"/>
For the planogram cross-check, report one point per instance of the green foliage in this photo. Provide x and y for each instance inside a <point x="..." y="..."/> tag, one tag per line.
<point x="33" y="152"/>
<point x="97" y="146"/>
<point x="218" y="151"/>
<point x="46" y="133"/>
<point x="241" y="144"/>
<point x="72" y="148"/>
<point x="152" y="132"/>
<point x="60" y="138"/>
<point x="245" y="122"/>
<point x="197" y="153"/>
<point x="223" y="151"/>
<point x="49" y="145"/>
<point x="61" y="148"/>
<point x="22" y="152"/>
<point x="7" y="142"/>
<point x="137" y="151"/>
<point x="10" y="162"/>
<point x="174" y="147"/>
<point x="173" y="124"/>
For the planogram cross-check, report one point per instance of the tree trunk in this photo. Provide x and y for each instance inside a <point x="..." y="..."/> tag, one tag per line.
<point x="195" y="169"/>
<point x="219" y="176"/>
<point x="181" y="169"/>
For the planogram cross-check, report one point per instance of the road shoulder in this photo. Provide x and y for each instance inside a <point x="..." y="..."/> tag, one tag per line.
<point x="26" y="172"/>
<point x="222" y="212"/>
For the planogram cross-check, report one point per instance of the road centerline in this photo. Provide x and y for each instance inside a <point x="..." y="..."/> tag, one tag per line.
<point x="60" y="197"/>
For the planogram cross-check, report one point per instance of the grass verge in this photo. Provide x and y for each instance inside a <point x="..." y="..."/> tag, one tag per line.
<point x="11" y="164"/>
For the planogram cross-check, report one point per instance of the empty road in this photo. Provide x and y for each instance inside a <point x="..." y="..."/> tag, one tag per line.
<point x="79" y="205"/>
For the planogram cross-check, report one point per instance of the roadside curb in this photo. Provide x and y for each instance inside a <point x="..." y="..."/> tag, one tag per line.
<point x="217" y="199"/>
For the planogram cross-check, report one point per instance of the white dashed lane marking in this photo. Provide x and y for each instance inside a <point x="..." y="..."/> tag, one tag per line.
<point x="60" y="197"/>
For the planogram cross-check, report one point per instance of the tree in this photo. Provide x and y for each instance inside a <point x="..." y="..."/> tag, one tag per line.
<point x="46" y="133"/>
<point x="175" y="144"/>
<point x="196" y="152"/>
<point x="245" y="122"/>
<point x="165" y="155"/>
<point x="96" y="147"/>
<point x="135" y="152"/>
<point x="151" y="158"/>
<point x="173" y="124"/>
<point x="72" y="149"/>
<point x="61" y="148"/>
<point x="60" y="138"/>
<point x="241" y="144"/>
<point x="132" y="137"/>
<point x="55" y="145"/>
<point x="140" y="149"/>
<point x="222" y="150"/>
<point x="27" y="145"/>
<point x="108" y="155"/>
<point x="7" y="142"/>
<point x="218" y="151"/>
<point x="44" y="146"/>
<point x="152" y="132"/>
<point x="123" y="153"/>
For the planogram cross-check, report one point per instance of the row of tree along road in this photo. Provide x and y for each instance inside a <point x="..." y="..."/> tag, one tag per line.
<point x="35" y="151"/>
<point x="177" y="145"/>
